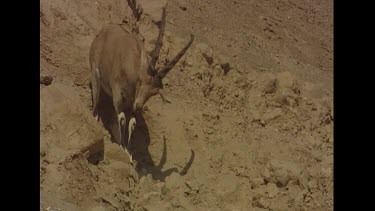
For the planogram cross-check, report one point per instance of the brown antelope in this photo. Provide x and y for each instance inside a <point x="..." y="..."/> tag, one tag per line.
<point x="120" y="67"/>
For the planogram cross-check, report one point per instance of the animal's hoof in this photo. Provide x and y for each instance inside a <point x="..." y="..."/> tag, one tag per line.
<point x="130" y="156"/>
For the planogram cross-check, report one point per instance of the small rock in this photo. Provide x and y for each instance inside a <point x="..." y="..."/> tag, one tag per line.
<point x="327" y="120"/>
<point x="292" y="102"/>
<point x="257" y="182"/>
<point x="166" y="81"/>
<point x="98" y="208"/>
<point x="153" y="10"/>
<point x="173" y="181"/>
<point x="160" y="186"/>
<point x="192" y="186"/>
<point x="274" y="114"/>
<point x="311" y="140"/>
<point x="46" y="79"/>
<point x="303" y="208"/>
<point x="282" y="177"/>
<point x="266" y="175"/>
<point x="227" y="184"/>
<point x="183" y="8"/>
<point x="314" y="107"/>
<point x="206" y="51"/>
<point x="286" y="79"/>
<point x="314" y="171"/>
<point x="262" y="203"/>
<point x="307" y="199"/>
<point x="330" y="140"/>
<point x="224" y="63"/>
<point x="167" y="34"/>
<point x="189" y="63"/>
<point x="171" y="21"/>
<point x="262" y="122"/>
<point x="312" y="184"/>
<point x="327" y="172"/>
<point x="284" y="171"/>
<point x="198" y="74"/>
<point x="272" y="190"/>
<point x="218" y="71"/>
<point x="296" y="88"/>
<point x="208" y="55"/>
<point x="300" y="196"/>
<point x="271" y="86"/>
<point x="282" y="99"/>
<point x="273" y="104"/>
<point x="256" y="115"/>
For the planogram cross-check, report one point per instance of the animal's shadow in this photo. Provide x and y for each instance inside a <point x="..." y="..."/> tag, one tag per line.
<point x="140" y="142"/>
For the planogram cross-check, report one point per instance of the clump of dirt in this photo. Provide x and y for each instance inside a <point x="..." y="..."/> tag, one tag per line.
<point x="248" y="126"/>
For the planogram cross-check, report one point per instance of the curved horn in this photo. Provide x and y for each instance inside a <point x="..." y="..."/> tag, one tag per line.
<point x="155" y="53"/>
<point x="162" y="73"/>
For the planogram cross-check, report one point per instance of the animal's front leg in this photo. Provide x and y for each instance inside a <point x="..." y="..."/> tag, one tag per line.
<point x="95" y="87"/>
<point x="132" y="123"/>
<point x="121" y="119"/>
<point x="131" y="128"/>
<point x="118" y="105"/>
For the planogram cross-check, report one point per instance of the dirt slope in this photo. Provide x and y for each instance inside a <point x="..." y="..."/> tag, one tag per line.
<point x="249" y="126"/>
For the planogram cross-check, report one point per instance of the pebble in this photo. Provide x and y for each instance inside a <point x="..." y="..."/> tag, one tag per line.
<point x="206" y="51"/>
<point x="274" y="114"/>
<point x="312" y="184"/>
<point x="330" y="140"/>
<point x="271" y="86"/>
<point x="282" y="177"/>
<point x="192" y="186"/>
<point x="327" y="120"/>
<point x="256" y="115"/>
<point x="311" y="140"/>
<point x="257" y="182"/>
<point x="224" y="63"/>
<point x="171" y="21"/>
<point x="266" y="175"/>
<point x="272" y="190"/>
<point x="46" y="79"/>
<point x="327" y="172"/>
<point x="263" y="203"/>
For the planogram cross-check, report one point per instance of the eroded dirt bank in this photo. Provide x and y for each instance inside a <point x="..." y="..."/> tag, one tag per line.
<point x="249" y="126"/>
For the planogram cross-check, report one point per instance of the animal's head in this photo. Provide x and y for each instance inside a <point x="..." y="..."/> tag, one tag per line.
<point x="151" y="87"/>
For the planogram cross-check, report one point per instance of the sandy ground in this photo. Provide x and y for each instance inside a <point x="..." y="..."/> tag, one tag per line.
<point x="249" y="125"/>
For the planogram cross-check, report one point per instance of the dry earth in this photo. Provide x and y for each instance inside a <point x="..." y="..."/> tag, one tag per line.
<point x="249" y="125"/>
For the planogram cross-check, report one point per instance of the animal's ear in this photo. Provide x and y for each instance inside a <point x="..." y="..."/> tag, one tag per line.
<point x="157" y="82"/>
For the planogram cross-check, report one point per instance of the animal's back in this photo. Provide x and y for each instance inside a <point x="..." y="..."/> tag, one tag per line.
<point x="117" y="55"/>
